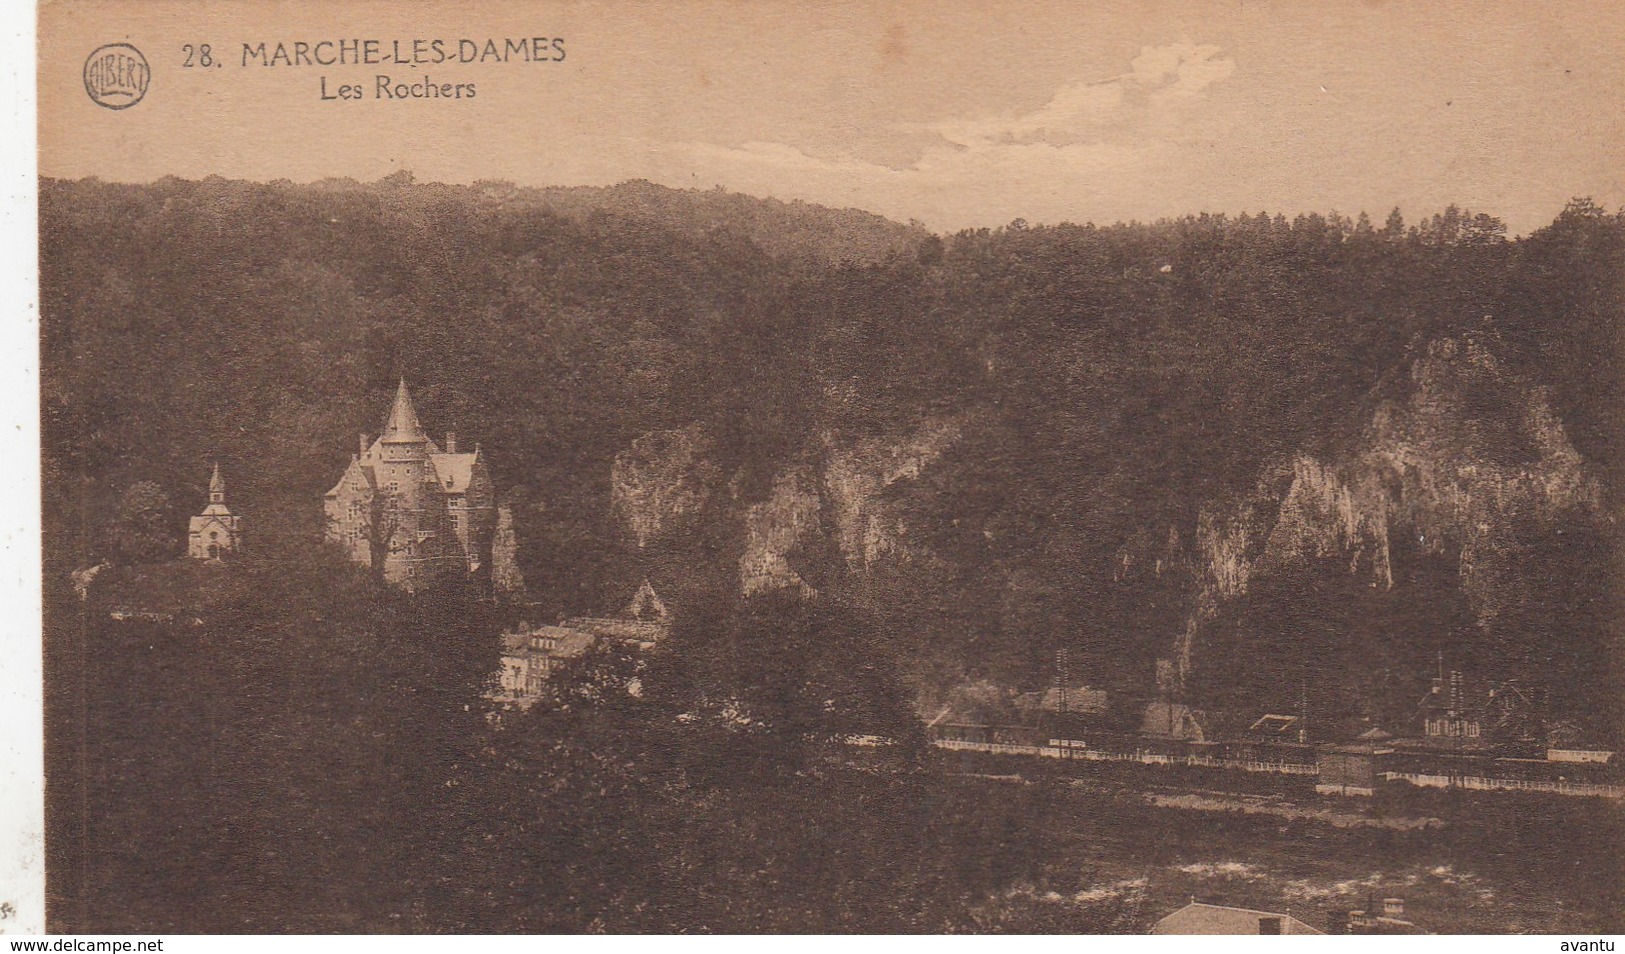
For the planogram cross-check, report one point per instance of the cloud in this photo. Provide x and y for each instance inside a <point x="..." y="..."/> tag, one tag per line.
<point x="1071" y="107"/>
<point x="1160" y="76"/>
<point x="1182" y="69"/>
<point x="1098" y="145"/>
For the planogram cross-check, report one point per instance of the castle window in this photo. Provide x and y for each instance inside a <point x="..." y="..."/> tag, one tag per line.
<point x="394" y="486"/>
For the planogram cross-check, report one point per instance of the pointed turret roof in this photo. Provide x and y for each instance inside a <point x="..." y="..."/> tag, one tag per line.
<point x="403" y="426"/>
<point x="217" y="483"/>
<point x="646" y="604"/>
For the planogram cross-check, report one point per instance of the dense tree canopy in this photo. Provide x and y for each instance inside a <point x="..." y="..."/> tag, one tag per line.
<point x="1117" y="380"/>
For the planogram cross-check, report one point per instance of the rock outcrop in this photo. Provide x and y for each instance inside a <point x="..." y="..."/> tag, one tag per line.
<point x="775" y="529"/>
<point x="664" y="478"/>
<point x="505" y="576"/>
<point x="855" y="475"/>
<point x="1463" y="460"/>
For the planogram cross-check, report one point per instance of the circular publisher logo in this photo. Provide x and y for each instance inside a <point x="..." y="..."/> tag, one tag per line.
<point x="116" y="76"/>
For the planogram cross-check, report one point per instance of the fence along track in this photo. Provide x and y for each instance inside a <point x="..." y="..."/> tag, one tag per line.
<point x="1062" y="749"/>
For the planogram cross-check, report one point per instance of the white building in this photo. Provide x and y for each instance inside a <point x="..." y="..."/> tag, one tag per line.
<point x="216" y="532"/>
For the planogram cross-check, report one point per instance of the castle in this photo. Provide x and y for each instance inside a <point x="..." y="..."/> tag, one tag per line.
<point x="216" y="532"/>
<point x="411" y="511"/>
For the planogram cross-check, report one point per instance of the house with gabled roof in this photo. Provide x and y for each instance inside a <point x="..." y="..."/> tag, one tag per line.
<point x="645" y="621"/>
<point x="1200" y="918"/>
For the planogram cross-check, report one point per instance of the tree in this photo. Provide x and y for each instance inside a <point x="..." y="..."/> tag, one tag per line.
<point x="1581" y="208"/>
<point x="1394" y="229"/>
<point x="142" y="530"/>
<point x="1483" y="229"/>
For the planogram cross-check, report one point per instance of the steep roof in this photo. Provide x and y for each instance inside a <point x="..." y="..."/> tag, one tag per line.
<point x="376" y="451"/>
<point x="646" y="604"/>
<point x="222" y="518"/>
<point x="402" y="426"/>
<point x="1199" y="918"/>
<point x="456" y="471"/>
<point x="572" y="645"/>
<point x="359" y="469"/>
<point x="1172" y="720"/>
<point x="217" y="485"/>
<point x="1275" y="722"/>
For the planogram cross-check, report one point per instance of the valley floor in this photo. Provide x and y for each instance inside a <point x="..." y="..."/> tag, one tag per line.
<point x="1462" y="863"/>
<point x="209" y="780"/>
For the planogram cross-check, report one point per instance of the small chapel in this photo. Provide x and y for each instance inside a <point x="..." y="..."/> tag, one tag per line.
<point x="216" y="533"/>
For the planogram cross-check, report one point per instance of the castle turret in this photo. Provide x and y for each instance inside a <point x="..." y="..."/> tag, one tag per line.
<point x="404" y="438"/>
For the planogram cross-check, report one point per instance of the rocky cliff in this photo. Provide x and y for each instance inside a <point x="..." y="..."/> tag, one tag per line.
<point x="858" y="473"/>
<point x="1459" y="462"/>
<point x="506" y="577"/>
<point x="1463" y="457"/>
<point x="667" y="480"/>
<point x="663" y="478"/>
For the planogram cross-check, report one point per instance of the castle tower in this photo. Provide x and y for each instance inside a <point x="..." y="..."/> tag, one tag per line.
<point x="411" y="511"/>
<point x="402" y="453"/>
<point x="216" y="532"/>
<point x="412" y="516"/>
<point x="402" y="429"/>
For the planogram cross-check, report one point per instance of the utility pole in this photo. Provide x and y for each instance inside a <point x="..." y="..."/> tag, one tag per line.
<point x="1303" y="712"/>
<point x="1061" y="675"/>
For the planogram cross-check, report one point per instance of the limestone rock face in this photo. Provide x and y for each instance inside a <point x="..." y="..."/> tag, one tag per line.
<point x="1464" y="459"/>
<point x="777" y="527"/>
<point x="662" y="479"/>
<point x="667" y="482"/>
<point x="505" y="575"/>
<point x="856" y="474"/>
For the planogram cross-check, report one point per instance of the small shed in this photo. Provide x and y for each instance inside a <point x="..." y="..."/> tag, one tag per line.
<point x="1346" y="770"/>
<point x="1173" y="720"/>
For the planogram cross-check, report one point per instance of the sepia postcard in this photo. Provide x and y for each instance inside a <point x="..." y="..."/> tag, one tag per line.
<point x="857" y="467"/>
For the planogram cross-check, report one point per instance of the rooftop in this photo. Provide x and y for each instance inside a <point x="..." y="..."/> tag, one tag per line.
<point x="402" y="426"/>
<point x="1200" y="918"/>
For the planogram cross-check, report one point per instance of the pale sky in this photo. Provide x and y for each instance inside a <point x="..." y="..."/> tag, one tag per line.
<point x="955" y="113"/>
